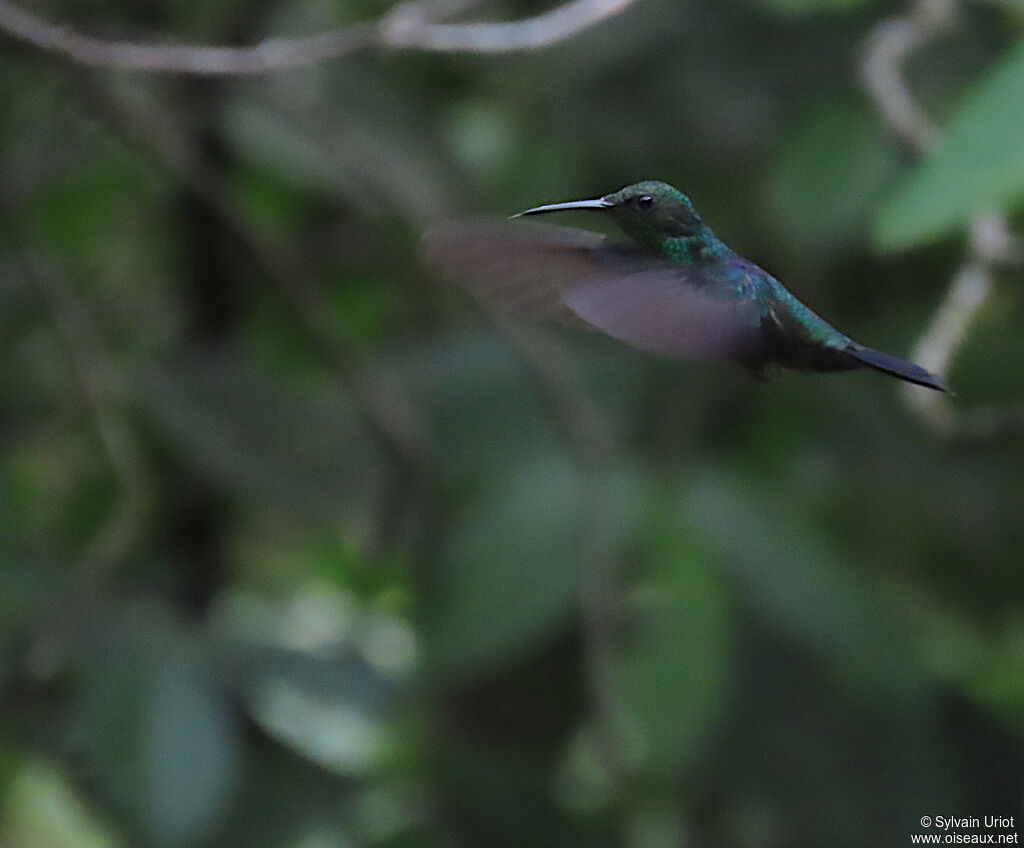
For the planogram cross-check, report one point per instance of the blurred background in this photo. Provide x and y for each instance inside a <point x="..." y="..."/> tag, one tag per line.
<point x="300" y="548"/>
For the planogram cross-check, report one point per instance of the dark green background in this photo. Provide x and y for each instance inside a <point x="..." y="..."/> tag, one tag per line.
<point x="596" y="598"/>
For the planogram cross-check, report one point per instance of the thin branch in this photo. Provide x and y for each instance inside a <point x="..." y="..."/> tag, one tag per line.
<point x="98" y="388"/>
<point x="991" y="242"/>
<point x="889" y="45"/>
<point x="260" y="58"/>
<point x="408" y="29"/>
<point x="97" y="380"/>
<point x="410" y="25"/>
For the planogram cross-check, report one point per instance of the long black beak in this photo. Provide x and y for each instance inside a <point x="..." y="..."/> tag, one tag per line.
<point x="599" y="203"/>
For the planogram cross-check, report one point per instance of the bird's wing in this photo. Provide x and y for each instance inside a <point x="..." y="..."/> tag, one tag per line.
<point x="672" y="310"/>
<point x="522" y="269"/>
<point x="576" y="276"/>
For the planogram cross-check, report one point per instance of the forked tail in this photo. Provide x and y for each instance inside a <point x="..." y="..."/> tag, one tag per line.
<point x="897" y="367"/>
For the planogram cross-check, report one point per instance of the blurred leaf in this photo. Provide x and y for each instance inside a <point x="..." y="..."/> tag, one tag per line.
<point x="584" y="782"/>
<point x="485" y="408"/>
<point x="268" y="202"/>
<point x="149" y="727"/>
<point x="482" y="136"/>
<point x="362" y="306"/>
<point x="273" y="140"/>
<point x="315" y="674"/>
<point x="261" y="440"/>
<point x="385" y="810"/>
<point x="40" y="808"/>
<point x="26" y="590"/>
<point x="58" y="479"/>
<point x="793" y="578"/>
<point x="838" y="159"/>
<point x="987" y="667"/>
<point x="511" y="569"/>
<point x="339" y="735"/>
<point x="74" y="213"/>
<point x="978" y="164"/>
<point x="656" y="825"/>
<point x="484" y="411"/>
<point x="19" y="298"/>
<point x="339" y="676"/>
<point x="189" y="738"/>
<point x="672" y="671"/>
<point x="503" y="799"/>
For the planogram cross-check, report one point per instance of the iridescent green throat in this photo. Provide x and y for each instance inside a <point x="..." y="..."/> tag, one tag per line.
<point x="703" y="247"/>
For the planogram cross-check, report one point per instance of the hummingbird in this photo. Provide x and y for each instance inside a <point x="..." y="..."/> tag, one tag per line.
<point x="673" y="289"/>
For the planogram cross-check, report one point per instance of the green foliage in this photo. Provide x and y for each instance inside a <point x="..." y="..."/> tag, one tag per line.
<point x="977" y="165"/>
<point x="300" y="548"/>
<point x="789" y="576"/>
<point x="265" y="443"/>
<point x="835" y="166"/>
<point x="672" y="670"/>
<point x="511" y="569"/>
<point x="810" y="7"/>
<point x="154" y="725"/>
<point x="190" y="737"/>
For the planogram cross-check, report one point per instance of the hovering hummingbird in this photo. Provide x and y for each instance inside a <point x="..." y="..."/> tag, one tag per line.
<point x="675" y="289"/>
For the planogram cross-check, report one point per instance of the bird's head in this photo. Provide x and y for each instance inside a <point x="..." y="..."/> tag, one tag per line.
<point x="649" y="211"/>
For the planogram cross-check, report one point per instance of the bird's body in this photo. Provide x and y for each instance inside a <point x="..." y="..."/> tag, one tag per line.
<point x="676" y="290"/>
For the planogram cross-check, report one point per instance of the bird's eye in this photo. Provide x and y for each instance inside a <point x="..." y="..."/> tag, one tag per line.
<point x="645" y="201"/>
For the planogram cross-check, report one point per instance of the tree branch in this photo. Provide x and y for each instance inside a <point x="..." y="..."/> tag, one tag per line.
<point x="410" y="25"/>
<point x="406" y="28"/>
<point x="991" y="242"/>
<point x="888" y="46"/>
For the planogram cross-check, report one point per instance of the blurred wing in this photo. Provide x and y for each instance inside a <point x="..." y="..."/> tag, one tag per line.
<point x="521" y="268"/>
<point x="671" y="312"/>
<point x="576" y="277"/>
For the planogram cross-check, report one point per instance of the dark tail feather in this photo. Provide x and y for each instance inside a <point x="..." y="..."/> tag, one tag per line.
<point x="897" y="367"/>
